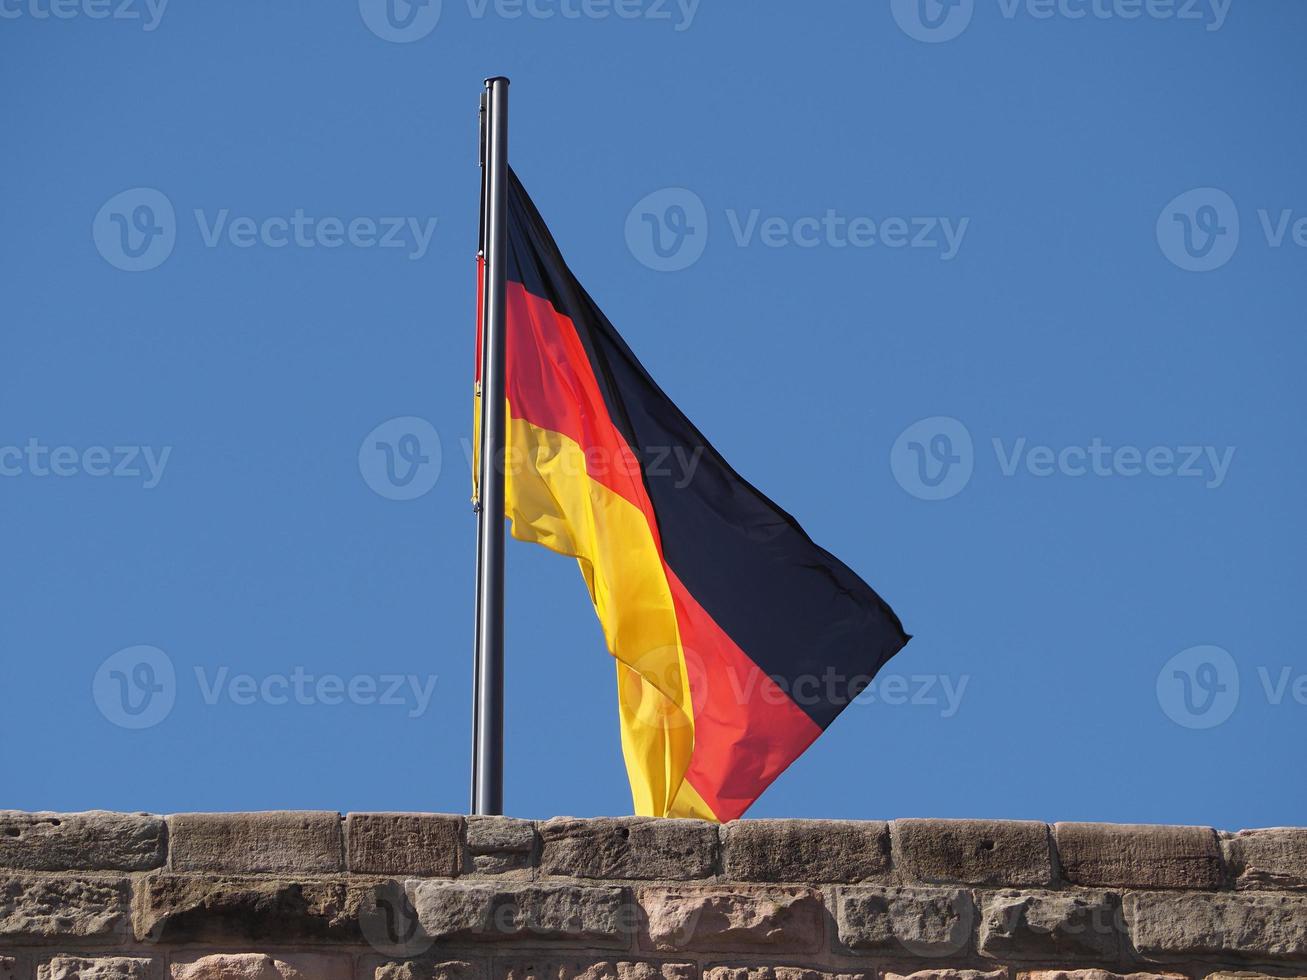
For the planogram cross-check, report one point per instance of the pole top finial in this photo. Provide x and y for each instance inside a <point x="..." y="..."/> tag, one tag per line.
<point x="496" y="78"/>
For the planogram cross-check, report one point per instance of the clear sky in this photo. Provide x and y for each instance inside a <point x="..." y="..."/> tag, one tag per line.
<point x="1002" y="299"/>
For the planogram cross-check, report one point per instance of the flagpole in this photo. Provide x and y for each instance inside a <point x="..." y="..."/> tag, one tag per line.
<point x="482" y="111"/>
<point x="488" y="707"/>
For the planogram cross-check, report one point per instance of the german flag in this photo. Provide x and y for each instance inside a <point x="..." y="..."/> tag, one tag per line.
<point x="737" y="640"/>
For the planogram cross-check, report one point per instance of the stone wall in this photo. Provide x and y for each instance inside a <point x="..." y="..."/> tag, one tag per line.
<point x="314" y="896"/>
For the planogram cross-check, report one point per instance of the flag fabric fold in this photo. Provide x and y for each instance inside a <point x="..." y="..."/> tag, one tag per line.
<point x="737" y="640"/>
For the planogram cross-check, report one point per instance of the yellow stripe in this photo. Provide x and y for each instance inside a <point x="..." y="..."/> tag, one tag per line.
<point x="476" y="444"/>
<point x="552" y="501"/>
<point x="689" y="803"/>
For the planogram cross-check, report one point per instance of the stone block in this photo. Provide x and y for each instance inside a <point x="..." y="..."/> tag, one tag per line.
<point x="44" y="910"/>
<point x="421" y="970"/>
<point x="261" y="966"/>
<point x="586" y="969"/>
<point x="731" y="919"/>
<point x="806" y="851"/>
<point x="425" y="845"/>
<point x="93" y="841"/>
<point x="642" y="848"/>
<point x="1260" y="926"/>
<point x="973" y="852"/>
<point x="275" y="843"/>
<point x="781" y="973"/>
<point x="500" y="845"/>
<point x="905" y="921"/>
<point x="1275" y="858"/>
<point x="100" y="968"/>
<point x="1139" y="855"/>
<point x="484" y="911"/>
<point x="1080" y="925"/>
<point x="179" y="909"/>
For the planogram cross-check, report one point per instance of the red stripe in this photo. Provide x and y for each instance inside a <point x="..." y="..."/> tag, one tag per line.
<point x="551" y="385"/>
<point x="747" y="730"/>
<point x="481" y="295"/>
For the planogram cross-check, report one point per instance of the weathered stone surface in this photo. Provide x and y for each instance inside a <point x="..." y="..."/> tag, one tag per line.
<point x="39" y="910"/>
<point x="1050" y="925"/>
<point x="422" y="844"/>
<point x="731" y="919"/>
<point x="488" y="834"/>
<point x="260" y="966"/>
<point x="912" y="921"/>
<point x="628" y="847"/>
<point x="642" y="899"/>
<point x="1139" y="855"/>
<point x="99" y="968"/>
<point x="1271" y="858"/>
<point x="600" y="915"/>
<point x="500" y="845"/>
<point x="779" y="973"/>
<point x="808" y="851"/>
<point x="594" y="970"/>
<point x="974" y="852"/>
<point x="92" y="841"/>
<point x="177" y="908"/>
<point x="255" y="842"/>
<point x="421" y="970"/>
<point x="390" y="924"/>
<point x="1269" y="927"/>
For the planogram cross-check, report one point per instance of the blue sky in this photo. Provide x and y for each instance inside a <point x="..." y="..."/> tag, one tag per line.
<point x="1003" y="300"/>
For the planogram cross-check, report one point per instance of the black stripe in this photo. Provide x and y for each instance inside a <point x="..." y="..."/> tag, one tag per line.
<point x="797" y="611"/>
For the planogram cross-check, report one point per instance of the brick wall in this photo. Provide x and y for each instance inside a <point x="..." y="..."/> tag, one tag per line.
<point x="314" y="896"/>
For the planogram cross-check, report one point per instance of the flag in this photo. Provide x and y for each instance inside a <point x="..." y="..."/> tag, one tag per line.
<point x="737" y="640"/>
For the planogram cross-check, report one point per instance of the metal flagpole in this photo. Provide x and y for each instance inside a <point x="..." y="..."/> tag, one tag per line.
<point x="480" y="449"/>
<point x="488" y="709"/>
